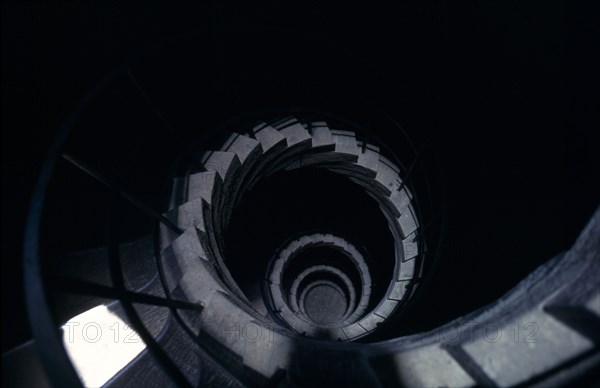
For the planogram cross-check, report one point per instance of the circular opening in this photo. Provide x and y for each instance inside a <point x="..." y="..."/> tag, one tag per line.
<point x="324" y="303"/>
<point x="293" y="203"/>
<point x="326" y="276"/>
<point x="321" y="256"/>
<point x="308" y="295"/>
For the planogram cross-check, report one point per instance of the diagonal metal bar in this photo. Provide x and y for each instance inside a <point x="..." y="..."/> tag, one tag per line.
<point x="122" y="192"/>
<point x="433" y="220"/>
<point x="149" y="101"/>
<point x="161" y="117"/>
<point x="83" y="287"/>
<point x="412" y="165"/>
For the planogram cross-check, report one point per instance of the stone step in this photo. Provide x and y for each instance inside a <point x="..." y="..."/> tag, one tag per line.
<point x="249" y="152"/>
<point x="227" y="166"/>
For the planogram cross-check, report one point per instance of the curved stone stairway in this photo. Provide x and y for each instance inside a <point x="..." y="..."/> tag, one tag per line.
<point x="462" y="353"/>
<point x="203" y="203"/>
<point x="542" y="332"/>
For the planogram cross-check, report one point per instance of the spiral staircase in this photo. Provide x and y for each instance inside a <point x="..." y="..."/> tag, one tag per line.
<point x="304" y="314"/>
<point x="263" y="240"/>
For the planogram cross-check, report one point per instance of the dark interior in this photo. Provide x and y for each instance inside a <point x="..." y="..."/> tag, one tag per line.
<point x="496" y="94"/>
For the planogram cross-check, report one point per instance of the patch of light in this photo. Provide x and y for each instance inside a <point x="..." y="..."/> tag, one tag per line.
<point x="100" y="344"/>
